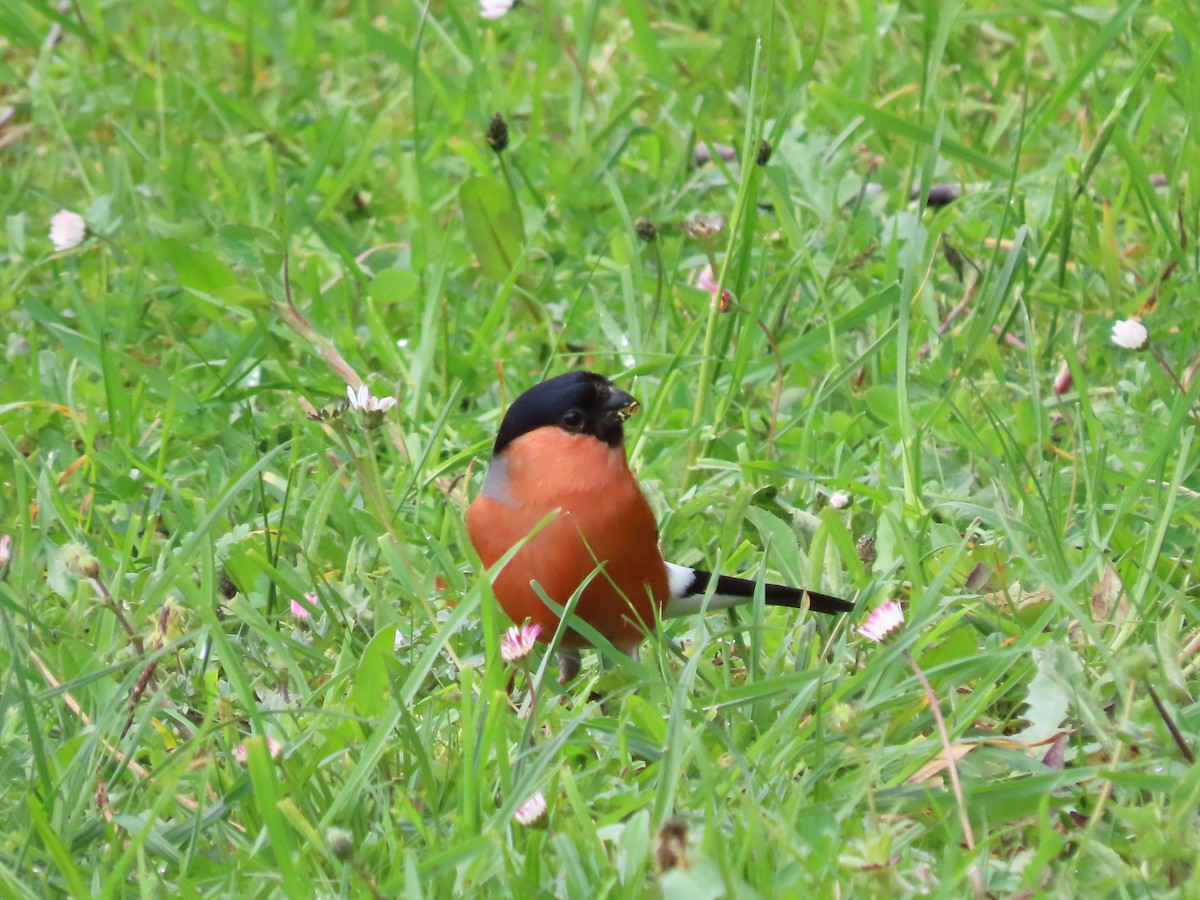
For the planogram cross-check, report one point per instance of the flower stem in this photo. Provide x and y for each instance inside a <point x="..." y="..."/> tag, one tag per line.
<point x="1175" y="378"/>
<point x="371" y="484"/>
<point x="708" y="361"/>
<point x="952" y="768"/>
<point x="1106" y="785"/>
<point x="1176" y="734"/>
<point x="658" y="283"/>
<point x="508" y="179"/>
<point x="115" y="605"/>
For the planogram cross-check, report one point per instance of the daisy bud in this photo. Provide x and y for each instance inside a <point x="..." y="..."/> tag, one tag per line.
<point x="1063" y="381"/>
<point x="340" y="843"/>
<point x="839" y="499"/>
<point x="702" y="227"/>
<point x="497" y="132"/>
<point x="764" y="152"/>
<point x="670" y="852"/>
<point x="865" y="548"/>
<point x="324" y="414"/>
<point x="79" y="562"/>
<point x="531" y="810"/>
<point x="953" y="257"/>
<point x="1130" y="334"/>
<point x="938" y="195"/>
<point x="5" y="549"/>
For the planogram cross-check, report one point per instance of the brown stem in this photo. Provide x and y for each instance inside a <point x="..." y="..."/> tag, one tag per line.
<point x="959" y="309"/>
<point x="143" y="681"/>
<point x="132" y="764"/>
<point x="1175" y="378"/>
<point x="952" y="767"/>
<point x="1176" y="735"/>
<point x="295" y="320"/>
<point x="115" y="606"/>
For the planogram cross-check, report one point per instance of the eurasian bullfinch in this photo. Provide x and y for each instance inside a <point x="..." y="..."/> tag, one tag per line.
<point x="559" y="462"/>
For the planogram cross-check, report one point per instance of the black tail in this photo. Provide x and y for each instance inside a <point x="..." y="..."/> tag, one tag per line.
<point x="776" y="594"/>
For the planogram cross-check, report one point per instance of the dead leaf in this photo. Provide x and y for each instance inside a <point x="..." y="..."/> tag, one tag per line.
<point x="1015" y="598"/>
<point x="1107" y="598"/>
<point x="670" y="852"/>
<point x="1055" y="757"/>
<point x="936" y="765"/>
<point x="979" y="577"/>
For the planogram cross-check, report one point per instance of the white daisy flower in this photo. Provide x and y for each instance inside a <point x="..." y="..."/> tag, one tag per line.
<point x="1129" y="334"/>
<point x="67" y="230"/>
<point x="495" y="9"/>
<point x="363" y="401"/>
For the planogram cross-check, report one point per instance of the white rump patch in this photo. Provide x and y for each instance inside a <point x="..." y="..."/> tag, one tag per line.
<point x="680" y="578"/>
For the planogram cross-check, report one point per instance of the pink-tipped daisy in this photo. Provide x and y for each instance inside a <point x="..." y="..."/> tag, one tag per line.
<point x="883" y="621"/>
<point x="302" y="610"/>
<point x="5" y="549"/>
<point x="1129" y="334"/>
<point x="531" y="810"/>
<point x="274" y="747"/>
<point x="518" y="641"/>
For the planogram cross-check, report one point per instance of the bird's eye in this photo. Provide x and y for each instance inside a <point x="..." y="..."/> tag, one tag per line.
<point x="572" y="420"/>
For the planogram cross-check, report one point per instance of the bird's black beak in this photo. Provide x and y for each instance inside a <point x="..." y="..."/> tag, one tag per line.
<point x="621" y="404"/>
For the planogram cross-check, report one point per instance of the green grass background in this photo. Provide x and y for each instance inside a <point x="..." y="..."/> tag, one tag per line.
<point x="1043" y="542"/>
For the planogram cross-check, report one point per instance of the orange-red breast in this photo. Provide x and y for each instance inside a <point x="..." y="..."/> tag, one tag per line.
<point x="559" y="459"/>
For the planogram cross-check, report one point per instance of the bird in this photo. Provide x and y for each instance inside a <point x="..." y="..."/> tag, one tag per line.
<point x="559" y="489"/>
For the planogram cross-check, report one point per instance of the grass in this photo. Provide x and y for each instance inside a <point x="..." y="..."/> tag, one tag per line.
<point x="158" y="466"/>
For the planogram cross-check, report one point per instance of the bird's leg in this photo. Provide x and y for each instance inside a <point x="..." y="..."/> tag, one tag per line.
<point x="568" y="664"/>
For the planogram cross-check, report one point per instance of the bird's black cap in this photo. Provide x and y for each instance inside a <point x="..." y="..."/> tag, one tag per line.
<point x="578" y="402"/>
